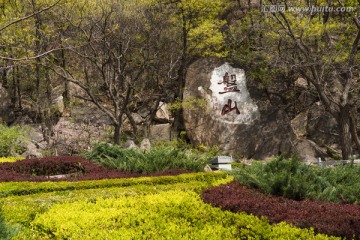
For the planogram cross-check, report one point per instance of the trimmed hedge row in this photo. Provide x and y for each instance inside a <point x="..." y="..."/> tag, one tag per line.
<point x="21" y="210"/>
<point x="26" y="188"/>
<point x="166" y="215"/>
<point x="325" y="217"/>
<point x="72" y="168"/>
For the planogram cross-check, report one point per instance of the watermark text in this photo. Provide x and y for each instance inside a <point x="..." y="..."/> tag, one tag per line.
<point x="313" y="9"/>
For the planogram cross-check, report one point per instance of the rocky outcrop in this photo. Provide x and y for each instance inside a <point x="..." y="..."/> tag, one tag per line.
<point x="232" y="118"/>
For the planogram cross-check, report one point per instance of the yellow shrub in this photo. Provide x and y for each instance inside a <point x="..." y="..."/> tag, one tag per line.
<point x="166" y="215"/>
<point x="10" y="159"/>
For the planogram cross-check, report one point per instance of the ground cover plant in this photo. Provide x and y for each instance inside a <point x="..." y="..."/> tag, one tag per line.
<point x="125" y="208"/>
<point x="293" y="179"/>
<point x="156" y="159"/>
<point x="139" y="211"/>
<point x="74" y="168"/>
<point x="326" y="217"/>
<point x="25" y="200"/>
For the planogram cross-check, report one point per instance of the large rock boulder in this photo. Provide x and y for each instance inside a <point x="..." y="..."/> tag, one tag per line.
<point x="232" y="118"/>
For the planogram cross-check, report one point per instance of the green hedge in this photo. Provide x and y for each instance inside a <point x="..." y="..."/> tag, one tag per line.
<point x="165" y="215"/>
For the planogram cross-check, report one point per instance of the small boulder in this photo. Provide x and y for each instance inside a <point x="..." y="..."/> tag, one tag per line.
<point x="137" y="118"/>
<point x="301" y="83"/>
<point x="130" y="144"/>
<point x="31" y="151"/>
<point x="162" y="114"/>
<point x="143" y="112"/>
<point x="299" y="124"/>
<point x="308" y="151"/>
<point x="58" y="105"/>
<point x="161" y="132"/>
<point x="145" y="144"/>
<point x="207" y="168"/>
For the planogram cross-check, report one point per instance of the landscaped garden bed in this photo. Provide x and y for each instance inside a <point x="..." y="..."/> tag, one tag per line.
<point x="123" y="194"/>
<point x="166" y="207"/>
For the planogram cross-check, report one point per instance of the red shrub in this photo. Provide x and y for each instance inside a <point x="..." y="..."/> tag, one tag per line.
<point x="41" y="169"/>
<point x="324" y="217"/>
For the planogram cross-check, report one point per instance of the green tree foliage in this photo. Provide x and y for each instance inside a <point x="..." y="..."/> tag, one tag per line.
<point x="321" y="47"/>
<point x="11" y="139"/>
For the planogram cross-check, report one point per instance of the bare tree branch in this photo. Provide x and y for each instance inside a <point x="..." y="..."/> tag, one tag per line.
<point x="28" y="16"/>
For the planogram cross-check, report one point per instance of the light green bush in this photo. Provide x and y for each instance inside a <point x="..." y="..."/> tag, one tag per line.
<point x="166" y="215"/>
<point x="10" y="140"/>
<point x="157" y="159"/>
<point x="293" y="179"/>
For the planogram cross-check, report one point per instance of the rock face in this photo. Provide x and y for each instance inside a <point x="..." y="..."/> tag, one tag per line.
<point x="232" y="119"/>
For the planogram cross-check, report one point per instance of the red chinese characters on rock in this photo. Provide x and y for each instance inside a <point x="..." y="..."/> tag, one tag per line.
<point x="230" y="83"/>
<point x="231" y="86"/>
<point x="227" y="108"/>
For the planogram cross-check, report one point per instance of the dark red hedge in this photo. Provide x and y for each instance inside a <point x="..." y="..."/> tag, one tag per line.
<point x="325" y="217"/>
<point x="77" y="167"/>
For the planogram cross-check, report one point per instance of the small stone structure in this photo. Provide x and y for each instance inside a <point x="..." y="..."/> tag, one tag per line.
<point x="222" y="162"/>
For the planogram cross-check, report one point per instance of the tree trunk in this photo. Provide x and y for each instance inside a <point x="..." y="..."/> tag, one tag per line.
<point x="353" y="129"/>
<point x="117" y="133"/>
<point x="18" y="89"/>
<point x="178" y="124"/>
<point x="132" y="122"/>
<point x="345" y="134"/>
<point x="4" y="79"/>
<point x="67" y="93"/>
